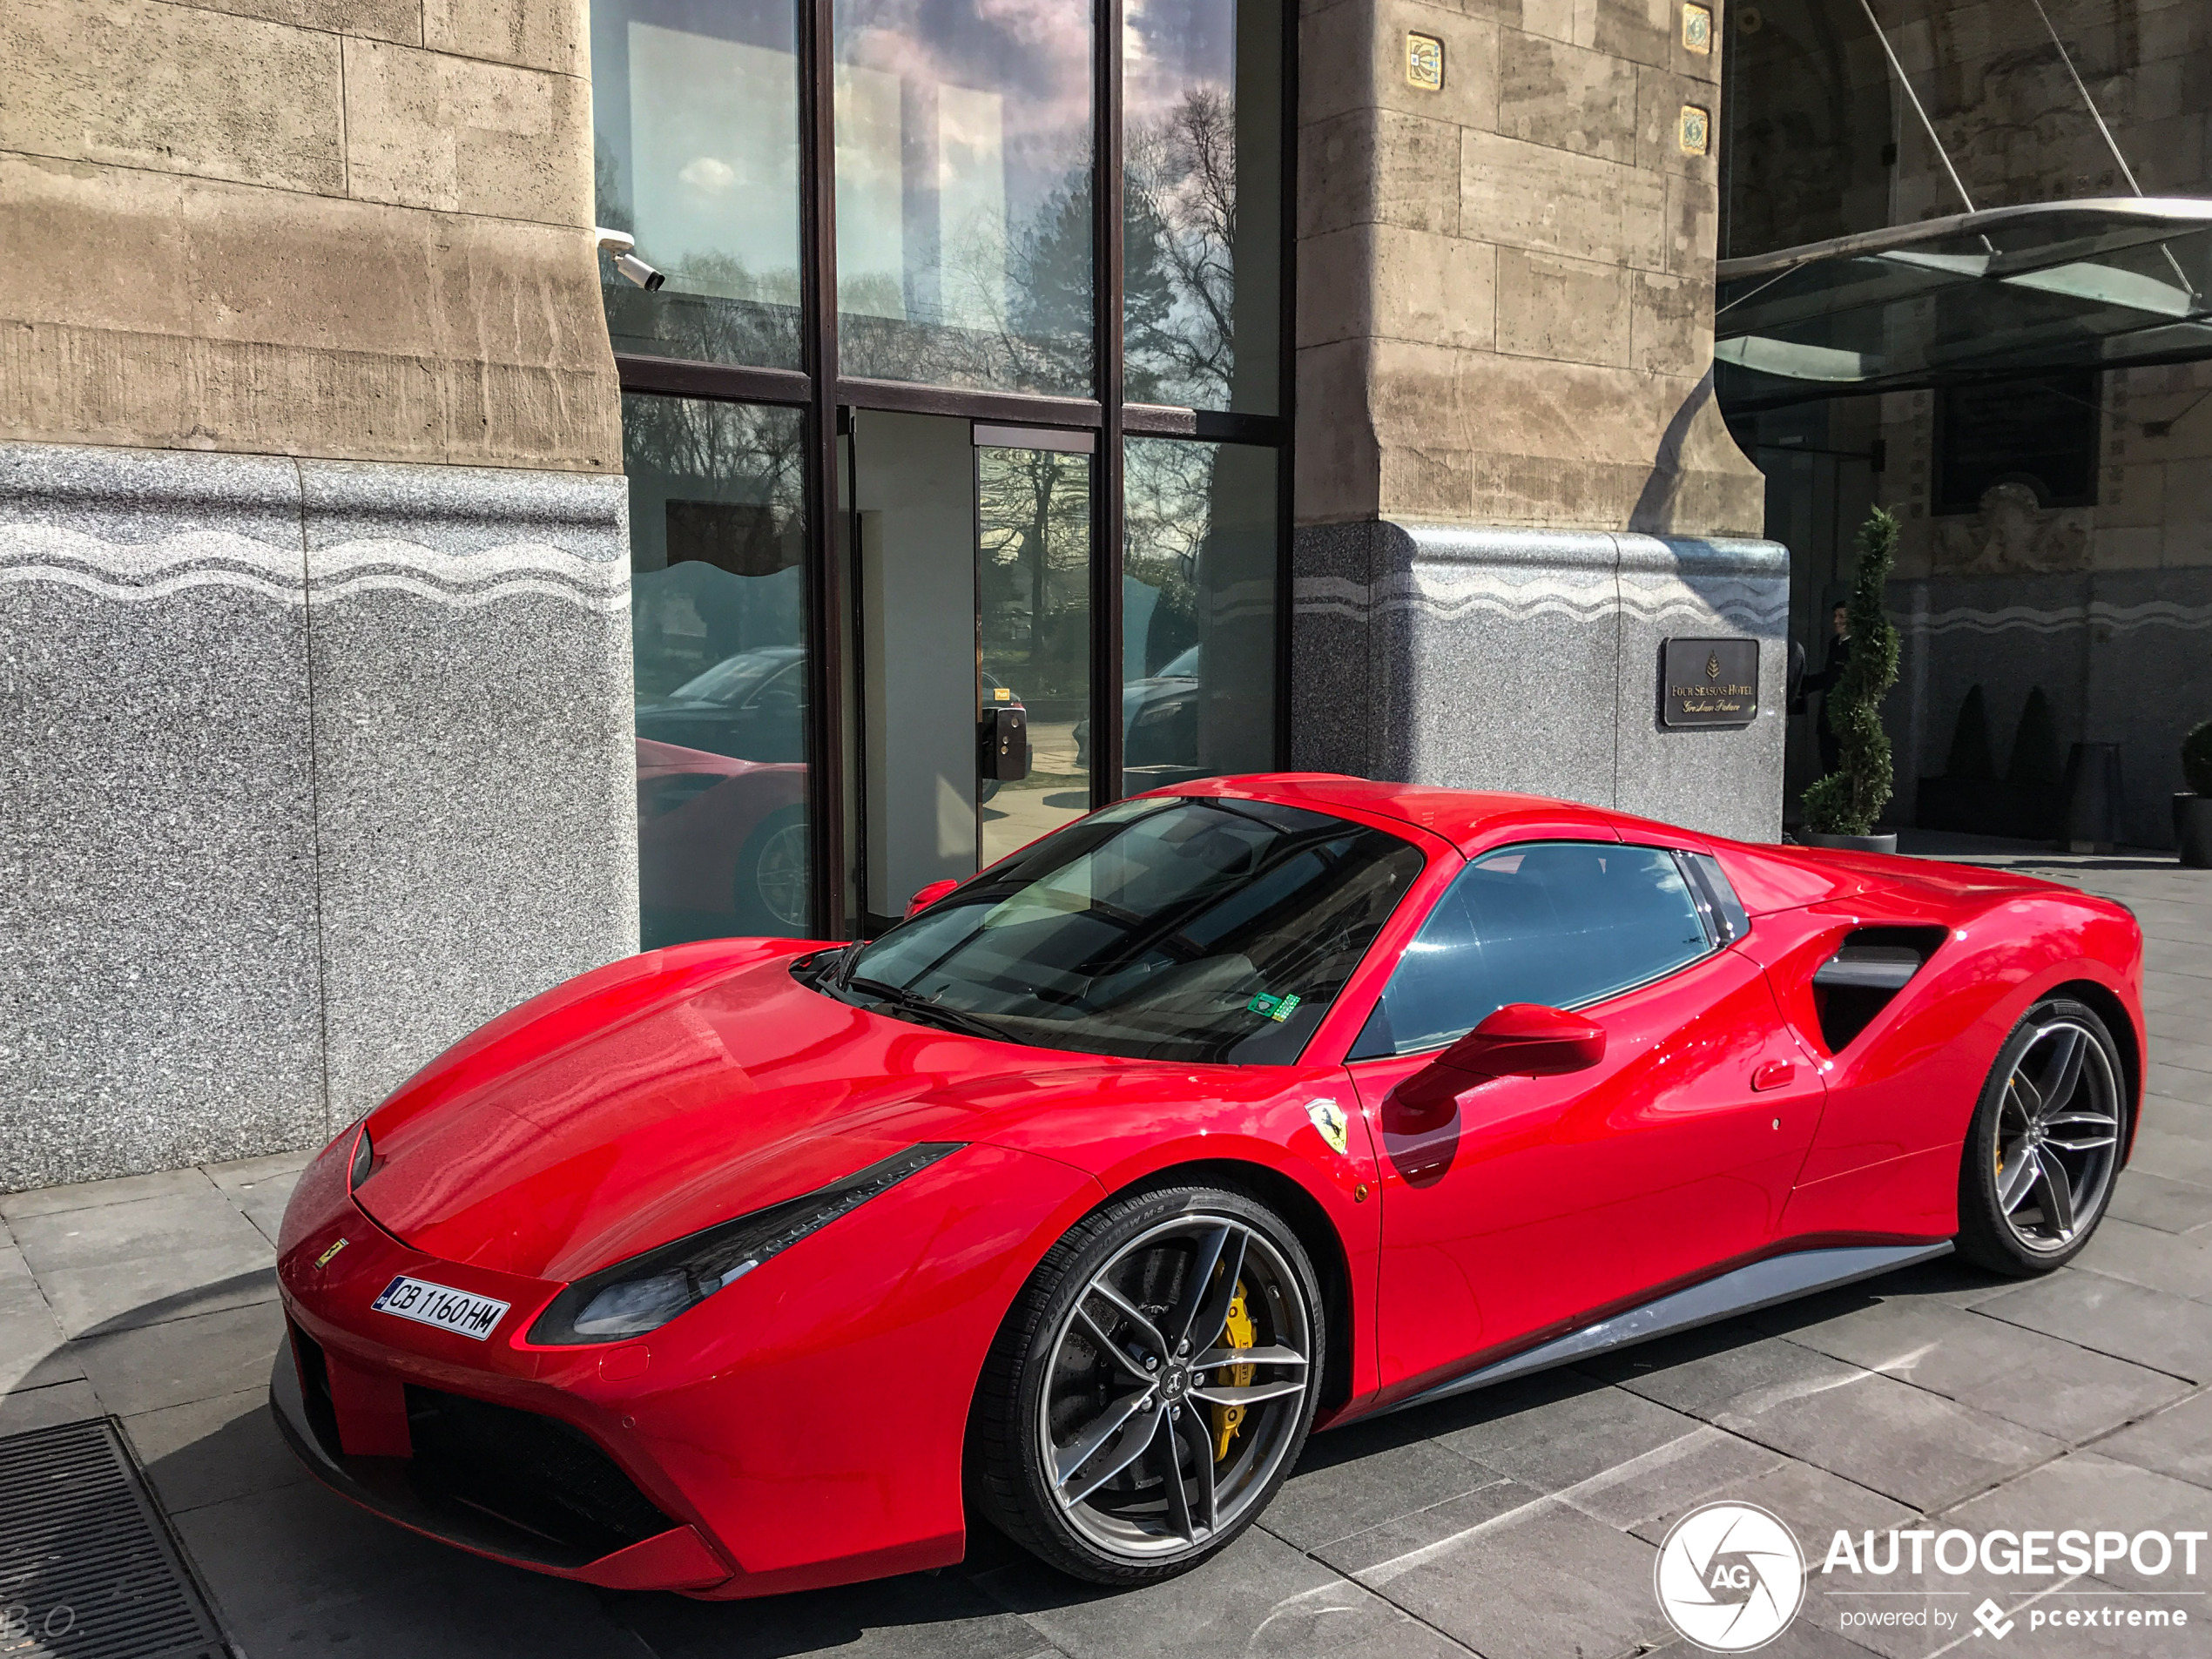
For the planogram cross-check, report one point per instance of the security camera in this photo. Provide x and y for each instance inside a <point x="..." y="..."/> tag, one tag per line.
<point x="623" y="247"/>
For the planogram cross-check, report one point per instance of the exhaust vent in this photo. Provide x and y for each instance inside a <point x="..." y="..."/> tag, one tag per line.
<point x="1872" y="966"/>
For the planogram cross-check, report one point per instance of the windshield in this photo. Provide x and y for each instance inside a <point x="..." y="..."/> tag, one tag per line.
<point x="1165" y="929"/>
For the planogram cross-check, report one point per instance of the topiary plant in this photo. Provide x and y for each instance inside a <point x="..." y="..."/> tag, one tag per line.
<point x="2196" y="759"/>
<point x="1848" y="799"/>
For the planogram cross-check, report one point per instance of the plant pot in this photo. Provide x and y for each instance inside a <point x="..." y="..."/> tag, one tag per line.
<point x="2192" y="830"/>
<point x="1849" y="843"/>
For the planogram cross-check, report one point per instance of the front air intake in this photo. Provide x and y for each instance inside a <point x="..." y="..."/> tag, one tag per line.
<point x="1871" y="966"/>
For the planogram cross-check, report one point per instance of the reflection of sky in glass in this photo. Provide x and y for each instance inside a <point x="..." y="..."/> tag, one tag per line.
<point x="963" y="147"/>
<point x="695" y="111"/>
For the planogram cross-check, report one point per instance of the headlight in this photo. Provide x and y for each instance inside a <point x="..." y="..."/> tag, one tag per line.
<point x="364" y="1159"/>
<point x="646" y="1291"/>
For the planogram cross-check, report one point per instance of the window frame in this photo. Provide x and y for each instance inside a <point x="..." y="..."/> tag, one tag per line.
<point x="827" y="396"/>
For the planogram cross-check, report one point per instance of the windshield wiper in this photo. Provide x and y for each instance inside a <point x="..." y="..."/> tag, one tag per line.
<point x="923" y="1009"/>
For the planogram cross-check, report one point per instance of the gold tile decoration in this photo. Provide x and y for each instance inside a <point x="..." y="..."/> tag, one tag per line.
<point x="1696" y="133"/>
<point x="1425" y="63"/>
<point x="1696" y="27"/>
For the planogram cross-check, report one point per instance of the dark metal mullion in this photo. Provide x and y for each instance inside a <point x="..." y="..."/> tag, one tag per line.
<point x="1106" y="476"/>
<point x="683" y="378"/>
<point x="825" y="758"/>
<point x="1286" y="384"/>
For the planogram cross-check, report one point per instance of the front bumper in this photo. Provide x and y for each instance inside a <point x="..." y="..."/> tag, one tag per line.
<point x="501" y="1482"/>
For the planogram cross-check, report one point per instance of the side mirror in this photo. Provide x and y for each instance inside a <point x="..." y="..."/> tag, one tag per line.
<point x="929" y="896"/>
<point x="1520" y="1040"/>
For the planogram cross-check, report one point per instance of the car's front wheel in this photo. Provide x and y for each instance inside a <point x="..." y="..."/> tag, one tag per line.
<point x="2045" y="1145"/>
<point x="1151" y="1386"/>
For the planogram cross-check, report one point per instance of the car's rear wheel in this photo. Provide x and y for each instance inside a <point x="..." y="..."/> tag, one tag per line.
<point x="772" y="892"/>
<point x="1151" y="1386"/>
<point x="2044" y="1146"/>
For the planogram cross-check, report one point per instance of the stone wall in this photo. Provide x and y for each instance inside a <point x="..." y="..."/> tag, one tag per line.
<point x="314" y="655"/>
<point x="1513" y="481"/>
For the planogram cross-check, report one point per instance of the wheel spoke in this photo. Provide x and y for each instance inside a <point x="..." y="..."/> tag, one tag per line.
<point x="1248" y="1393"/>
<point x="1138" y="1432"/>
<point x="2081" y="1131"/>
<point x="1198" y="1439"/>
<point x="1106" y="1344"/>
<point x="1170" y="1449"/>
<point x="1094" y="1435"/>
<point x="1129" y="1311"/>
<point x="2018" y="1179"/>
<point x="1213" y="1358"/>
<point x="1202" y="1309"/>
<point x="2062" y="1075"/>
<point x="2057" y="1194"/>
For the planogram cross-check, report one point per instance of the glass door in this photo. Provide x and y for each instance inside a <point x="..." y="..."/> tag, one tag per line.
<point x="971" y="645"/>
<point x="1033" y="632"/>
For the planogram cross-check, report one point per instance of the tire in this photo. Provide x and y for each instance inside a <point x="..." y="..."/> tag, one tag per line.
<point x="770" y="891"/>
<point x="2043" y="1151"/>
<point x="1052" y="1384"/>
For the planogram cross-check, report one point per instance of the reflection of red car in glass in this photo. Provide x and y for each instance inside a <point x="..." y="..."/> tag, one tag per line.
<point x="721" y="844"/>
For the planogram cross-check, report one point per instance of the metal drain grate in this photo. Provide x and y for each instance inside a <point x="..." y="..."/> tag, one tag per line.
<point x="87" y="1568"/>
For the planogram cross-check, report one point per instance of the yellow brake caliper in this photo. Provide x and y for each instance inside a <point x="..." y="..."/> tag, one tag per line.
<point x="1238" y="1332"/>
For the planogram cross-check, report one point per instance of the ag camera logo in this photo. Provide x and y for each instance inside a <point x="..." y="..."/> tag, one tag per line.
<point x="1729" y="1577"/>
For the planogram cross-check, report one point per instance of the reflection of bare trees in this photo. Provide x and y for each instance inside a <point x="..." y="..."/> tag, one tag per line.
<point x="1180" y="214"/>
<point x="1035" y="516"/>
<point x="728" y="452"/>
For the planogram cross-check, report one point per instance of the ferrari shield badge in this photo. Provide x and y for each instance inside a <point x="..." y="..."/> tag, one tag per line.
<point x="1335" y="1127"/>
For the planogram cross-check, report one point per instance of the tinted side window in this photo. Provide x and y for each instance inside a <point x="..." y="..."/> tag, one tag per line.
<point x="1564" y="923"/>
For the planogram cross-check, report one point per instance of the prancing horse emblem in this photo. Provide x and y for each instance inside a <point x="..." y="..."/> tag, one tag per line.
<point x="1335" y="1127"/>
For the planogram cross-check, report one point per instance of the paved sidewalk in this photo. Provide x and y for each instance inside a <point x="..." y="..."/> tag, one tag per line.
<point x="1516" y="1524"/>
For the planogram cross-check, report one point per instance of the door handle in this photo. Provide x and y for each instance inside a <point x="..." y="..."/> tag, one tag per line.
<point x="1773" y="1075"/>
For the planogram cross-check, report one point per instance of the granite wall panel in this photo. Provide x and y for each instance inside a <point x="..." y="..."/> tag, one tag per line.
<point x="308" y="769"/>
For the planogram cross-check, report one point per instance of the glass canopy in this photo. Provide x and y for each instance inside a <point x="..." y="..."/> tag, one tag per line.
<point x="2095" y="284"/>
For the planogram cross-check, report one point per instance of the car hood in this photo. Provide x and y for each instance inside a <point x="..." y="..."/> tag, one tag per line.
<point x="702" y="1084"/>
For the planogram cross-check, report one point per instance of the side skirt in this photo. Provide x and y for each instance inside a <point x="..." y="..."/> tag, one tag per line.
<point x="1779" y="1279"/>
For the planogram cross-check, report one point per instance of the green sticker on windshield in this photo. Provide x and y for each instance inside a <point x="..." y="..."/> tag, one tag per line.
<point x="1277" y="1008"/>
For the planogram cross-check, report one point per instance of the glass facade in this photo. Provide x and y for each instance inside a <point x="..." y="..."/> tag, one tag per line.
<point x="870" y="659"/>
<point x="964" y="192"/>
<point x="717" y="507"/>
<point x="1202" y="203"/>
<point x="695" y="152"/>
<point x="1202" y="554"/>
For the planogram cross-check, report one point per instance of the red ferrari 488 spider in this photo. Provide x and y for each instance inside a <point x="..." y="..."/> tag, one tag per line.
<point x="1076" y="1200"/>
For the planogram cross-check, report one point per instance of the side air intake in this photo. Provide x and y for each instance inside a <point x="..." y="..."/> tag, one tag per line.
<point x="1872" y="966"/>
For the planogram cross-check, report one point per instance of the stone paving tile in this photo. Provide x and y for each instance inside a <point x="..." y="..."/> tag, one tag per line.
<point x="2096" y="1494"/>
<point x="2158" y="1201"/>
<point x="1563" y="1428"/>
<point x="1259" y="1596"/>
<point x="260" y="1187"/>
<point x="1916" y="1447"/>
<point x="2177" y="1083"/>
<point x="52" y="1201"/>
<point x="2144" y="1255"/>
<point x="1536" y="1582"/>
<point x="2172" y="1143"/>
<point x="179" y="1361"/>
<point x="299" y="1570"/>
<point x="2191" y="1055"/>
<point x="62" y="1402"/>
<point x="2169" y="1333"/>
<point x="1360" y="1476"/>
<point x="213" y="1450"/>
<point x="32" y="1351"/>
<point x="2006" y="1369"/>
<point x="1420" y="1529"/>
<point x="149" y="1259"/>
<point x="1811" y="1502"/>
<point x="919" y="1616"/>
<point x="2176" y="1441"/>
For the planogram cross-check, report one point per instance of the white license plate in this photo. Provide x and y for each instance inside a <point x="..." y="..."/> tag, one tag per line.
<point x="441" y="1305"/>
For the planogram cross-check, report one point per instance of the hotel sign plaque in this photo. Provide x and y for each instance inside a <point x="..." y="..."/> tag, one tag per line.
<point x="1709" y="682"/>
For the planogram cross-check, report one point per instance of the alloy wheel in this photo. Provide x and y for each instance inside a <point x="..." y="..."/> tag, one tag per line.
<point x="2058" y="1136"/>
<point x="1176" y="1387"/>
<point x="780" y="877"/>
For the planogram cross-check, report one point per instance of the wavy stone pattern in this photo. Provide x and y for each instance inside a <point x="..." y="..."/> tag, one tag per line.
<point x="313" y="767"/>
<point x="1529" y="660"/>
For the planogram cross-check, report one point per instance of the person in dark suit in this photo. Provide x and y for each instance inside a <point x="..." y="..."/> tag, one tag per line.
<point x="1825" y="683"/>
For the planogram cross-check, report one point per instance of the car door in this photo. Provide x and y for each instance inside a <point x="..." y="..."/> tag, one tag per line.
<point x="1544" y="1201"/>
